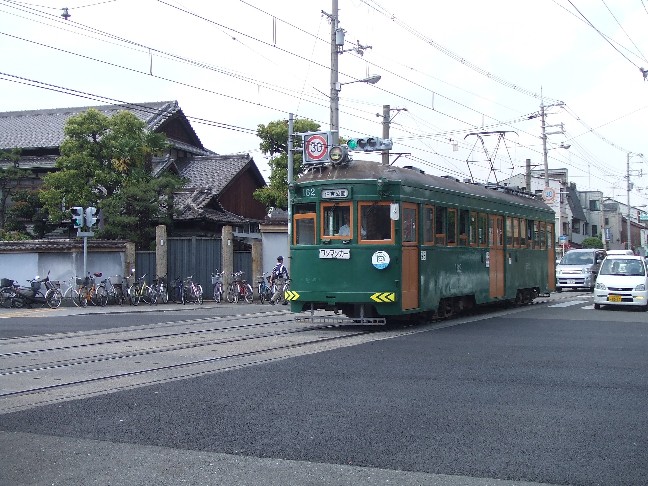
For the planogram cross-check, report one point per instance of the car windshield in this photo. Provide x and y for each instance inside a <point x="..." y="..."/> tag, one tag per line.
<point x="618" y="266"/>
<point x="577" y="258"/>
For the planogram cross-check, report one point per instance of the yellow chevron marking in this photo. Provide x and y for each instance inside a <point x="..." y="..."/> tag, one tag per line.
<point x="384" y="297"/>
<point x="291" y="295"/>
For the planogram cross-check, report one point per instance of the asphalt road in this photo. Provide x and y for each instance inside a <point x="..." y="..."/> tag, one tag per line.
<point x="553" y="394"/>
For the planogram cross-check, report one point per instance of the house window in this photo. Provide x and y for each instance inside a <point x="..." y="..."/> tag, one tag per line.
<point x="594" y="230"/>
<point x="594" y="205"/>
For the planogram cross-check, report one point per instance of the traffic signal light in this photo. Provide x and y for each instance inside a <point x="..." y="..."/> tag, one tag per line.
<point x="90" y="218"/>
<point x="77" y="216"/>
<point x="369" y="144"/>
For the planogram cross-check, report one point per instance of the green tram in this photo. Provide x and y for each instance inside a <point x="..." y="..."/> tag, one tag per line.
<point x="378" y="243"/>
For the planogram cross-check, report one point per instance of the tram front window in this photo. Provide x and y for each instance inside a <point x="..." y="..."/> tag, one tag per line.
<point x="337" y="221"/>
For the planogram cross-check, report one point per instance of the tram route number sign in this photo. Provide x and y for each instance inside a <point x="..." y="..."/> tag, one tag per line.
<point x="316" y="147"/>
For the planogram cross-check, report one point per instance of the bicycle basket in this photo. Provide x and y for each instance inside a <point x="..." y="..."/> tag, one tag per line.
<point x="53" y="284"/>
<point x="36" y="285"/>
<point x="80" y="281"/>
<point x="6" y="282"/>
<point x="216" y="279"/>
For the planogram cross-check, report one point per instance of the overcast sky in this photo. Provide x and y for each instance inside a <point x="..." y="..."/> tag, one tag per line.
<point x="458" y="67"/>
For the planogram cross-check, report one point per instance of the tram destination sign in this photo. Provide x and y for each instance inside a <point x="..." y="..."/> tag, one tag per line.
<point x="341" y="193"/>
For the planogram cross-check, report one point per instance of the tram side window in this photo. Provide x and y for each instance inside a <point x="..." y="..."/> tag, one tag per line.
<point x="428" y="225"/>
<point x="482" y="237"/>
<point x="440" y="219"/>
<point x="543" y="236"/>
<point x="473" y="229"/>
<point x="550" y="236"/>
<point x="375" y="222"/>
<point x="509" y="231"/>
<point x="523" y="233"/>
<point x="452" y="227"/>
<point x="464" y="226"/>
<point x="409" y="225"/>
<point x="536" y="235"/>
<point x="516" y="232"/>
<point x="530" y="238"/>
<point x="336" y="221"/>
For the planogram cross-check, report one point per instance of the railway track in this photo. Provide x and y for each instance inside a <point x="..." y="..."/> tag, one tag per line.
<point x="48" y="369"/>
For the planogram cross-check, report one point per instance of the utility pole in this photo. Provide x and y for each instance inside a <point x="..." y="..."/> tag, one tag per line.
<point x="385" y="133"/>
<point x="337" y="48"/>
<point x="335" y="93"/>
<point x="628" y="189"/>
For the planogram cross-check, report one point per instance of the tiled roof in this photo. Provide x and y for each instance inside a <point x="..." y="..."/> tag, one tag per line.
<point x="44" y="128"/>
<point x="208" y="177"/>
<point x="57" y="245"/>
<point x="214" y="172"/>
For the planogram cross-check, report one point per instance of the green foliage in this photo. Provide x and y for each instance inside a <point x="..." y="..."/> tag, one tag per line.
<point x="106" y="162"/>
<point x="274" y="142"/>
<point x="592" y="242"/>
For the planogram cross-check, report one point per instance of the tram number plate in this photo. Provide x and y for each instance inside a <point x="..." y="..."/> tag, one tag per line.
<point x="614" y="298"/>
<point x="340" y="254"/>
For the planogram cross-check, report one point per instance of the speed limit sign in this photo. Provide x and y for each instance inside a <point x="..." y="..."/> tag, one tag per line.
<point x="316" y="147"/>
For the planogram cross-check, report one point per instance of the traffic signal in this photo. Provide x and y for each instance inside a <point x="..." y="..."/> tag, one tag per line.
<point x="77" y="216"/>
<point x="90" y="218"/>
<point x="369" y="144"/>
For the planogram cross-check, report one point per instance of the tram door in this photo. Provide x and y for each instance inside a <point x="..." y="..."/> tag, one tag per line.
<point x="496" y="244"/>
<point x="410" y="269"/>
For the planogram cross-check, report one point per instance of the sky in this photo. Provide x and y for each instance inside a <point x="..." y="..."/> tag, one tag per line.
<point x="450" y="71"/>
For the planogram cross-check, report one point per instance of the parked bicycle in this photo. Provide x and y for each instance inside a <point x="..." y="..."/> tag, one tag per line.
<point x="140" y="291"/>
<point x="239" y="289"/>
<point x="217" y="284"/>
<point x="111" y="290"/>
<point x="178" y="291"/>
<point x="88" y="292"/>
<point x="281" y="298"/>
<point x="160" y="288"/>
<point x="264" y="287"/>
<point x="193" y="292"/>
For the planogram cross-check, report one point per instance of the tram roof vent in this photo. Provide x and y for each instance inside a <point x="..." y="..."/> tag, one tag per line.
<point x="411" y="167"/>
<point x="451" y="178"/>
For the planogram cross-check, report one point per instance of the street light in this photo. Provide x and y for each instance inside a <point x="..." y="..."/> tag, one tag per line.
<point x="369" y="80"/>
<point x="335" y="102"/>
<point x="629" y="188"/>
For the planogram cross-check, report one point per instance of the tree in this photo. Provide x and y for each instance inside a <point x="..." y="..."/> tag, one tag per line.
<point x="106" y="162"/>
<point x="592" y="242"/>
<point x="274" y="142"/>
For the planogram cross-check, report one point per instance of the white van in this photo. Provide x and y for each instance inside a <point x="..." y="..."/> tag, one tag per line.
<point x="578" y="269"/>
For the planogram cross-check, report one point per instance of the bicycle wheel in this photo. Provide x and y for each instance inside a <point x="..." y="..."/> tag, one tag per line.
<point x="82" y="297"/>
<point x="232" y="293"/>
<point x="100" y="296"/>
<point x="199" y="294"/>
<point x="153" y="296"/>
<point x="164" y="295"/>
<point x="261" y="291"/>
<point x="53" y="298"/>
<point x="6" y="296"/>
<point x="134" y="295"/>
<point x="217" y="294"/>
<point x="248" y="294"/>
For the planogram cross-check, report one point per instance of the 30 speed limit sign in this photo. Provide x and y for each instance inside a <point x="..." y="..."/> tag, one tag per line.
<point x="316" y="147"/>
